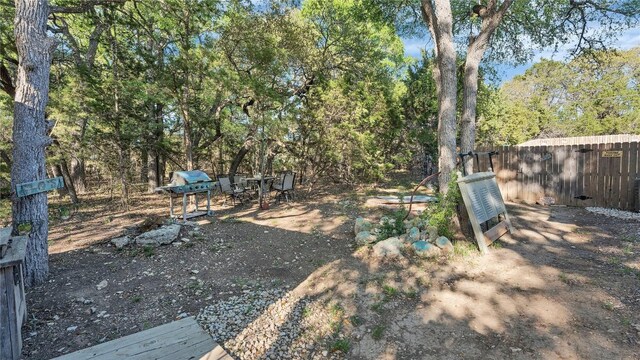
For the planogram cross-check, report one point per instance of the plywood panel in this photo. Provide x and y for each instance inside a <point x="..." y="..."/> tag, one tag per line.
<point x="182" y="339"/>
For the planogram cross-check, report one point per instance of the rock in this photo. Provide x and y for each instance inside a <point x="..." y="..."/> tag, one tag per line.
<point x="413" y="235"/>
<point x="389" y="248"/>
<point x="121" y="242"/>
<point x="443" y="243"/>
<point x="103" y="284"/>
<point x="361" y="225"/>
<point x="365" y="238"/>
<point x="182" y="315"/>
<point x="325" y="353"/>
<point x="425" y="249"/>
<point x="72" y="328"/>
<point x="546" y="201"/>
<point x="433" y="233"/>
<point x="162" y="236"/>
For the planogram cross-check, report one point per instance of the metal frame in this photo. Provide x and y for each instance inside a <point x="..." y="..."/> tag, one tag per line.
<point x="483" y="201"/>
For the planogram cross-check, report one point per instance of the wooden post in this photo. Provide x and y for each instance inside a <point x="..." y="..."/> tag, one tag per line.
<point x="184" y="207"/>
<point x="13" y="307"/>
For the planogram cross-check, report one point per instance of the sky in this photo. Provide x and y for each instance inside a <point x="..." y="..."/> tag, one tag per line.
<point x="626" y="40"/>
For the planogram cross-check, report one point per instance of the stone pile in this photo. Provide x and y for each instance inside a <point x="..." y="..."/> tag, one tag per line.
<point x="164" y="235"/>
<point x="419" y="238"/>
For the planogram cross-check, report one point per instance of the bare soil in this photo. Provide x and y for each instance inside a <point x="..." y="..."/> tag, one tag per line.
<point x="565" y="285"/>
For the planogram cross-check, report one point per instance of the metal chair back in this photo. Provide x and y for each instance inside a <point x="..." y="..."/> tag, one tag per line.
<point x="288" y="181"/>
<point x="225" y="184"/>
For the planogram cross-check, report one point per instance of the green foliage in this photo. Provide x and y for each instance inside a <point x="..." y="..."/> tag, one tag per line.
<point x="24" y="228"/>
<point x="392" y="226"/>
<point x="595" y="94"/>
<point x="5" y="211"/>
<point x="377" y="332"/>
<point x="389" y="291"/>
<point x="149" y="251"/>
<point x="440" y="214"/>
<point x="341" y="345"/>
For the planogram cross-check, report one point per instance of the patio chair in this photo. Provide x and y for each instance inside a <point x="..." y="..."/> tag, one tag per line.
<point x="229" y="189"/>
<point x="285" y="186"/>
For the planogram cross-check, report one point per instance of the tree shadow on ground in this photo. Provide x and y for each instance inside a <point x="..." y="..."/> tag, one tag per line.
<point x="550" y="291"/>
<point x="546" y="293"/>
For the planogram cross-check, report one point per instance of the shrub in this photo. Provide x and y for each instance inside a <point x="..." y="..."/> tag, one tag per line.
<point x="392" y="226"/>
<point x="441" y="213"/>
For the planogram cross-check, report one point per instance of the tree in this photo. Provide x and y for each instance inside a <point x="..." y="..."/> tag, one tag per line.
<point x="30" y="138"/>
<point x="511" y="30"/>
<point x="595" y="94"/>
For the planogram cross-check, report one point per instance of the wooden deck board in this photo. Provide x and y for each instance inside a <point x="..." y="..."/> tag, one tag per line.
<point x="182" y="339"/>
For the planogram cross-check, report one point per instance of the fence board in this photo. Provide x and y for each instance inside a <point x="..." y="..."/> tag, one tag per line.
<point x="624" y="178"/>
<point x="527" y="173"/>
<point x="616" y="178"/>
<point x="634" y="172"/>
<point x="580" y="175"/>
<point x="593" y="176"/>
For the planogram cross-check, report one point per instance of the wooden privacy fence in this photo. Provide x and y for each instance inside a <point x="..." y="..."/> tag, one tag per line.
<point x="578" y="175"/>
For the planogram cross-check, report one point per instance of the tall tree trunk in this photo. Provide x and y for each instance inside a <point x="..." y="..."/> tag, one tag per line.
<point x="469" y="104"/>
<point x="30" y="131"/>
<point x="78" y="174"/>
<point x="244" y="149"/>
<point x="144" y="163"/>
<point x="68" y="182"/>
<point x="440" y="21"/>
<point x="155" y="163"/>
<point x="475" y="51"/>
<point x="187" y="138"/>
<point x="56" y="171"/>
<point x="123" y="153"/>
<point x="122" y="169"/>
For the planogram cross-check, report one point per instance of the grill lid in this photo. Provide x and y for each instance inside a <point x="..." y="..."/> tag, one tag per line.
<point x="189" y="177"/>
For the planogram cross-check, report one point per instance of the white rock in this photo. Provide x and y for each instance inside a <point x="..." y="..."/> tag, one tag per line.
<point x="365" y="238"/>
<point x="121" y="242"/>
<point x="162" y="236"/>
<point x="443" y="243"/>
<point x="361" y="225"/>
<point x="72" y="328"/>
<point x="388" y="248"/>
<point x="182" y="315"/>
<point x="103" y="284"/>
<point x="621" y="214"/>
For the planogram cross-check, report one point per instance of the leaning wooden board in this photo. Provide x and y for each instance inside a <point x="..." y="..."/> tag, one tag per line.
<point x="483" y="201"/>
<point x="182" y="339"/>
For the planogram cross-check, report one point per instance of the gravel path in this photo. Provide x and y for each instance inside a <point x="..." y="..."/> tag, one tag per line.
<point x="620" y="214"/>
<point x="272" y="324"/>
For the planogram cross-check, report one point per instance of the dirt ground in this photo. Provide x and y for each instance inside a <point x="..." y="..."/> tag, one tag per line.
<point x="566" y="285"/>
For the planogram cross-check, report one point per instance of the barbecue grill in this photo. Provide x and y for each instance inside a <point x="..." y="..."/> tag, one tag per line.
<point x="188" y="183"/>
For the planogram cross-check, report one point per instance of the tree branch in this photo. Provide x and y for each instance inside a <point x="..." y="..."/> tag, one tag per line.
<point x="83" y="7"/>
<point x="6" y="83"/>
